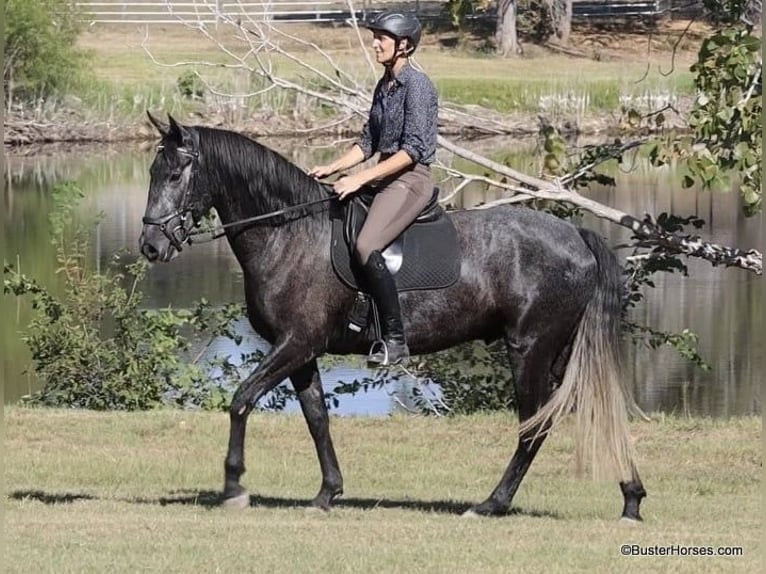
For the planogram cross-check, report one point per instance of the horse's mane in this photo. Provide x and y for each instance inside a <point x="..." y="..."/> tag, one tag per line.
<point x="257" y="178"/>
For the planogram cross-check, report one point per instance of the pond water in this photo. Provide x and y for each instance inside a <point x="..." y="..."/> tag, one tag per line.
<point x="723" y="306"/>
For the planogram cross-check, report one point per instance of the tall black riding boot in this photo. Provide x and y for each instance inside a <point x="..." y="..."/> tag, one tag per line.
<point x="383" y="289"/>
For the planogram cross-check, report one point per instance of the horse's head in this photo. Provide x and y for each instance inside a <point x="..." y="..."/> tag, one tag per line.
<point x="173" y="206"/>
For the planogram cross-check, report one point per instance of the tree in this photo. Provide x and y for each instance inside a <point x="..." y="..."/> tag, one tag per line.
<point x="540" y="20"/>
<point x="559" y="13"/>
<point x="726" y="120"/>
<point x="40" y="53"/>
<point x="506" y="34"/>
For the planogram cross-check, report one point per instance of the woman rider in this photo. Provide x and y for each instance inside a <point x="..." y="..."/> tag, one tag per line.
<point x="402" y="127"/>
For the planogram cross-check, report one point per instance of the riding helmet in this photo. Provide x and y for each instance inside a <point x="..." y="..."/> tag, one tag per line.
<point x="398" y="25"/>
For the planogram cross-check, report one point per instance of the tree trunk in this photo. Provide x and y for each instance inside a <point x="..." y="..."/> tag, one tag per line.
<point x="564" y="26"/>
<point x="558" y="15"/>
<point x="507" y="40"/>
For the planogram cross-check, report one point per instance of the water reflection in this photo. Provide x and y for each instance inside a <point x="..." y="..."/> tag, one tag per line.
<point x="722" y="306"/>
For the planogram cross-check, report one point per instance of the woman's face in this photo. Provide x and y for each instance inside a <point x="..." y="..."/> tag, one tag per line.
<point x="384" y="46"/>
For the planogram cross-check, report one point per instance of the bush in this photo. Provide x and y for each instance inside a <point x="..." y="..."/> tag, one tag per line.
<point x="40" y="56"/>
<point x="472" y="377"/>
<point x="191" y="86"/>
<point x="95" y="347"/>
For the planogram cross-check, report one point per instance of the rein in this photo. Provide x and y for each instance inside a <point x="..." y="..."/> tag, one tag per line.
<point x="220" y="230"/>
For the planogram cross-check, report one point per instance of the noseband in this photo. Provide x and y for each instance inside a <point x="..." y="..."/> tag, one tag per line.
<point x="176" y="234"/>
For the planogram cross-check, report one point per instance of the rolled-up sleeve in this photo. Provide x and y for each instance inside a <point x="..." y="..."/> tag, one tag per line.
<point x="420" y="120"/>
<point x="365" y="141"/>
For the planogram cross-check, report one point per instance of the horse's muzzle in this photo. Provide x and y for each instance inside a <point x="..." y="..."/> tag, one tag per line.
<point x="156" y="248"/>
<point x="148" y="250"/>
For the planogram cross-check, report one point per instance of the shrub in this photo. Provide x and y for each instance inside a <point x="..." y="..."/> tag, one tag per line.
<point x="472" y="377"/>
<point x="190" y="86"/>
<point x="95" y="347"/>
<point x="40" y="55"/>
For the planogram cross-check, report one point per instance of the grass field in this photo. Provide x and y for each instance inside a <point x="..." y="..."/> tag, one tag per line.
<point x="127" y="80"/>
<point x="113" y="492"/>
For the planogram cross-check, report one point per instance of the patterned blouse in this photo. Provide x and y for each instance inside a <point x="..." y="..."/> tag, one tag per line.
<point x="403" y="116"/>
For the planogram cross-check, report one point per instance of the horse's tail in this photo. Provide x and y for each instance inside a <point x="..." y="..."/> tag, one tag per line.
<point x="592" y="385"/>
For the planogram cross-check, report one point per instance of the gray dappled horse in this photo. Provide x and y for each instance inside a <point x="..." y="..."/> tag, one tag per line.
<point x="552" y="291"/>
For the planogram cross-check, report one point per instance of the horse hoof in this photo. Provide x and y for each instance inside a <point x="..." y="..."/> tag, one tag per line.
<point x="320" y="504"/>
<point x="628" y="521"/>
<point x="239" y="502"/>
<point x="314" y="509"/>
<point x="485" y="509"/>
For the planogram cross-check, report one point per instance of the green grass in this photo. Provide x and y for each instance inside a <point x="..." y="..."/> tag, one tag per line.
<point x="116" y="492"/>
<point x="126" y="80"/>
<point x="574" y="95"/>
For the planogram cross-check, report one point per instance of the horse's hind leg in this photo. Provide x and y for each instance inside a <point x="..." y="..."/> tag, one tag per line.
<point x="533" y="383"/>
<point x="499" y="501"/>
<point x="311" y="396"/>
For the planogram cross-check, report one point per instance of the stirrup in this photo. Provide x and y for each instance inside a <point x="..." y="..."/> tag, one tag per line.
<point x="382" y="357"/>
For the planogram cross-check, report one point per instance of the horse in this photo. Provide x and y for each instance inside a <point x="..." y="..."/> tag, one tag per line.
<point x="550" y="290"/>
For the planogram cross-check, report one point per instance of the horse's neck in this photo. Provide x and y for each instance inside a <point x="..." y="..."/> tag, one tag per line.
<point x="239" y="195"/>
<point x="259" y="245"/>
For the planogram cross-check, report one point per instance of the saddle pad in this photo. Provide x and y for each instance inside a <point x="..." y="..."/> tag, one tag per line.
<point x="431" y="256"/>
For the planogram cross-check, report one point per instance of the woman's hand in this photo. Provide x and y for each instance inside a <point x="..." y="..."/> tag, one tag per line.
<point x="347" y="185"/>
<point x="321" y="171"/>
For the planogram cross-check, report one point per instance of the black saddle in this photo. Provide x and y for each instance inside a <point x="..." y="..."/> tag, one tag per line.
<point x="425" y="256"/>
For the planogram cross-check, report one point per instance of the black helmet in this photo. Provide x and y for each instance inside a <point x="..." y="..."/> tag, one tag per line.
<point x="398" y="25"/>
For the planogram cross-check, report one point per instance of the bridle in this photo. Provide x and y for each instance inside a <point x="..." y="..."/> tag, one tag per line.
<point x="178" y="235"/>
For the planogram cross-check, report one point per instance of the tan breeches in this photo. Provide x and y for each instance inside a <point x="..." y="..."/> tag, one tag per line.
<point x="396" y="205"/>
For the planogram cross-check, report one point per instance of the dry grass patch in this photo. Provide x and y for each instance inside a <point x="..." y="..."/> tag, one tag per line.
<point x="128" y="492"/>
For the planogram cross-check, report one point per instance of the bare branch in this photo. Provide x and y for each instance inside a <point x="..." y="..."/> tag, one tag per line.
<point x="342" y="91"/>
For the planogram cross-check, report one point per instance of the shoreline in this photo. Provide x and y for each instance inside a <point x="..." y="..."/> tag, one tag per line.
<point x="20" y="130"/>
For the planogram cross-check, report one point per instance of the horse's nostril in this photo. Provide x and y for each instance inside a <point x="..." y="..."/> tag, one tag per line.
<point x="148" y="250"/>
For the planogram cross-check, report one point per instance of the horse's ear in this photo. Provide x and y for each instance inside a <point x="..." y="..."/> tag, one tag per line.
<point x="182" y="135"/>
<point x="161" y="127"/>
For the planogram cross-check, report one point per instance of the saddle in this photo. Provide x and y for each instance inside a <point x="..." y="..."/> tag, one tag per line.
<point x="425" y="256"/>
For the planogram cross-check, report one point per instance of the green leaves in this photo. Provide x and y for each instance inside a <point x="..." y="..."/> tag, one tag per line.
<point x="40" y="54"/>
<point x="685" y="342"/>
<point x="95" y="346"/>
<point x="726" y="116"/>
<point x="473" y="377"/>
<point x="725" y="139"/>
<point x="191" y="86"/>
<point x="639" y="272"/>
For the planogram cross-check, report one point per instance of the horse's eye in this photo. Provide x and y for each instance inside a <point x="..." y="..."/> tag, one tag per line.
<point x="175" y="176"/>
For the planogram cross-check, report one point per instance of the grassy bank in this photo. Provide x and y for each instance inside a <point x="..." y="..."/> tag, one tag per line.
<point x="113" y="492"/>
<point x="134" y="69"/>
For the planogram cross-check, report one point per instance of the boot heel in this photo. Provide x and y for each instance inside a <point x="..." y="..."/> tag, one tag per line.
<point x="388" y="354"/>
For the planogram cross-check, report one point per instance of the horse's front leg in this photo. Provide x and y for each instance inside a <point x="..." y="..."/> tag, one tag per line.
<point x="284" y="359"/>
<point x="308" y="385"/>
